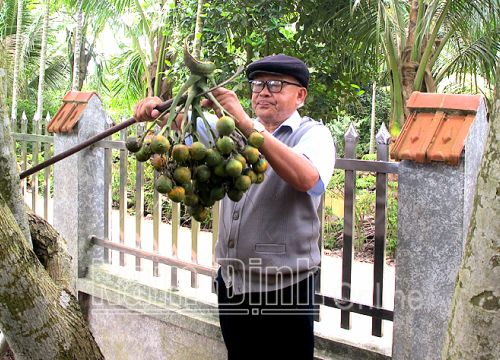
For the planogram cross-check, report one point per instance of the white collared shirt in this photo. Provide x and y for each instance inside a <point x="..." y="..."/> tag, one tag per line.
<point x="317" y="146"/>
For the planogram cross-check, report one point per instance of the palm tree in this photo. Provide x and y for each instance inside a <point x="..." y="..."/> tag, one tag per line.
<point x="43" y="61"/>
<point x="139" y="70"/>
<point x="424" y="42"/>
<point x="28" y="66"/>
<point x="17" y="60"/>
<point x="77" y="48"/>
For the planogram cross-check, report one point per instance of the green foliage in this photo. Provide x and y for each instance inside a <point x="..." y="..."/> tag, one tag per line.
<point x="364" y="211"/>
<point x="359" y="114"/>
<point x="452" y="39"/>
<point x="336" y="185"/>
<point x="364" y="208"/>
<point x="369" y="157"/>
<point x="365" y="182"/>
<point x="392" y="218"/>
<point x="331" y="231"/>
<point x="237" y="32"/>
<point x="56" y="70"/>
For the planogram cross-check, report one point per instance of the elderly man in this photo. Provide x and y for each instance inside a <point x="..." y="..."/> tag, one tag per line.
<point x="268" y="241"/>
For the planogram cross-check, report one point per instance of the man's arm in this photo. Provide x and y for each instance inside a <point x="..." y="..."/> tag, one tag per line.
<point x="292" y="167"/>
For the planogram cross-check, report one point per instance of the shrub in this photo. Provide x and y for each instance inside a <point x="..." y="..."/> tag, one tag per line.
<point x="364" y="212"/>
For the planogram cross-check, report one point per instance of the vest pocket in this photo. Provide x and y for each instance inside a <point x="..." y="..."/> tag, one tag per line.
<point x="270" y="248"/>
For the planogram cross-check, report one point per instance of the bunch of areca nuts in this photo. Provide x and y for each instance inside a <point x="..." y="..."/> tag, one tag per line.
<point x="188" y="171"/>
<point x="197" y="175"/>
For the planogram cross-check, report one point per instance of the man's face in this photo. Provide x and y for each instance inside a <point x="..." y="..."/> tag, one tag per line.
<point x="277" y="107"/>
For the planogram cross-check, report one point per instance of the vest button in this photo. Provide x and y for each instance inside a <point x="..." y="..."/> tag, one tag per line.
<point x="236" y="215"/>
<point x="230" y="244"/>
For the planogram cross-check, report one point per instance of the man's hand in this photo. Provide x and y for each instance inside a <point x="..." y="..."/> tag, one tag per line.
<point x="145" y="109"/>
<point x="232" y="105"/>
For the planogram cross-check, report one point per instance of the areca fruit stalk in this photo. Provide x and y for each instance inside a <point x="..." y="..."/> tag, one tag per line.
<point x="191" y="172"/>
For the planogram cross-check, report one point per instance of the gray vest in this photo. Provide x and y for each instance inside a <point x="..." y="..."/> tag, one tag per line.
<point x="269" y="239"/>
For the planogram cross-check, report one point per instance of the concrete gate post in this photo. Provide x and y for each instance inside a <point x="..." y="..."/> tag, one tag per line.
<point x="79" y="179"/>
<point x="440" y="148"/>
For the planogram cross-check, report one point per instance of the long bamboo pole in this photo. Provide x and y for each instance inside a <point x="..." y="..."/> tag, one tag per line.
<point x="162" y="107"/>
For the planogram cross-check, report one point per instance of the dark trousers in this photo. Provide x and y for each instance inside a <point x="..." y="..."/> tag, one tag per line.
<point x="272" y="325"/>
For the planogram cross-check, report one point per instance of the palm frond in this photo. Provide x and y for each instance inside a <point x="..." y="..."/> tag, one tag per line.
<point x="31" y="40"/>
<point x="8" y="15"/>
<point x="56" y="75"/>
<point x="102" y="11"/>
<point x="478" y="57"/>
<point x="128" y="79"/>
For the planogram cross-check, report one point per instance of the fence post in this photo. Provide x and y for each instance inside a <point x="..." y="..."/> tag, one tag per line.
<point x="351" y="139"/>
<point x="434" y="206"/>
<point x="46" y="156"/>
<point x="383" y="138"/>
<point x="34" y="159"/>
<point x="79" y="192"/>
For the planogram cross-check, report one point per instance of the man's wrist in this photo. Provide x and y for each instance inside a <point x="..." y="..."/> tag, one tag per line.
<point x="246" y="126"/>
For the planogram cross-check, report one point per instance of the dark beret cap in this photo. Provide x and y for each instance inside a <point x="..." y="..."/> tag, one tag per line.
<point x="280" y="64"/>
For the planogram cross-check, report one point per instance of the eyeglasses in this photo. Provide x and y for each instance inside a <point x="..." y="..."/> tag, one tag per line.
<point x="274" y="86"/>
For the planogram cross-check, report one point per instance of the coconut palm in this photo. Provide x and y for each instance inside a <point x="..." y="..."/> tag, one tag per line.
<point x="424" y="42"/>
<point x="29" y="53"/>
<point x="139" y="69"/>
<point x="77" y="48"/>
<point x="17" y="60"/>
<point x="43" y="61"/>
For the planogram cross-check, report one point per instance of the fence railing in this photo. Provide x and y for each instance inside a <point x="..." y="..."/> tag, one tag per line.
<point x="32" y="144"/>
<point x="381" y="167"/>
<point x="118" y="148"/>
<point x="117" y="165"/>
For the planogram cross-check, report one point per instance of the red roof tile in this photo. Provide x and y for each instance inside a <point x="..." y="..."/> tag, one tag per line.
<point x="435" y="101"/>
<point x="74" y="103"/>
<point x="437" y="127"/>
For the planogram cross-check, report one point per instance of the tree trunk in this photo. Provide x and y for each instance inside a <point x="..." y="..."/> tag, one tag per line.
<point x="9" y="177"/>
<point x="43" y="58"/>
<point x="50" y="249"/>
<point x="77" y="48"/>
<point x="85" y="55"/>
<point x="408" y="65"/>
<point x="36" y="316"/>
<point x="17" y="60"/>
<point x="473" y="328"/>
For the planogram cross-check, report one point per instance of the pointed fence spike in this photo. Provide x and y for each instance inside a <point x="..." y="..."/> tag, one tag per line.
<point x="140" y="128"/>
<point x="109" y="121"/>
<point x="351" y="134"/>
<point x="24" y="118"/>
<point x="45" y="124"/>
<point x="383" y="136"/>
